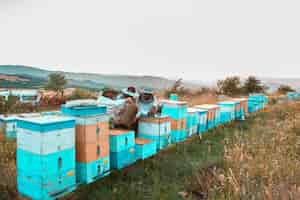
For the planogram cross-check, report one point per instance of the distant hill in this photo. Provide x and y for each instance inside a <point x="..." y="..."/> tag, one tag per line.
<point x="88" y="80"/>
<point x="274" y="83"/>
<point x="21" y="81"/>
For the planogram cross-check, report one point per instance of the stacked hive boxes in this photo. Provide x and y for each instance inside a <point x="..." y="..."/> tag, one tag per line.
<point x="256" y="102"/>
<point x="202" y="125"/>
<point x="157" y="129"/>
<point x="8" y="126"/>
<point x="244" y="104"/>
<point x="177" y="110"/>
<point x="240" y="108"/>
<point x="122" y="148"/>
<point x="92" y="142"/>
<point x="144" y="148"/>
<point x="213" y="114"/>
<point x="46" y="157"/>
<point x="227" y="110"/>
<point x="173" y="97"/>
<point x="292" y="96"/>
<point x="192" y="122"/>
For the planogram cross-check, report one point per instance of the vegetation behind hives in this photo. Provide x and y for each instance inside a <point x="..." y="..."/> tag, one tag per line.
<point x="259" y="163"/>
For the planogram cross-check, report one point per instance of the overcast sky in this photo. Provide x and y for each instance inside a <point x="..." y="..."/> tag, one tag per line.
<point x="193" y="39"/>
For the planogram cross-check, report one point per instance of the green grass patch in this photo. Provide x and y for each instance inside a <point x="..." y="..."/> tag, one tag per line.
<point x="167" y="173"/>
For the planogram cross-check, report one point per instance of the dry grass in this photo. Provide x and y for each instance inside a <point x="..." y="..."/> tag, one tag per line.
<point x="264" y="162"/>
<point x="194" y="98"/>
<point x="8" y="170"/>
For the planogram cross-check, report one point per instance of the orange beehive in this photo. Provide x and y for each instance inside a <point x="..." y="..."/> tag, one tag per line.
<point x="142" y="141"/>
<point x="92" y="141"/>
<point x="211" y="114"/>
<point x="243" y="102"/>
<point x="178" y="124"/>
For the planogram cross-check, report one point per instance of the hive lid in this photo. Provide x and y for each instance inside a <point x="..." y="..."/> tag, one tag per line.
<point x="240" y="99"/>
<point x="84" y="110"/>
<point x="173" y="102"/>
<point x="81" y="103"/>
<point x="142" y="141"/>
<point x="192" y="110"/>
<point x="156" y="119"/>
<point x="207" y="106"/>
<point x="24" y="115"/>
<point x="119" y="131"/>
<point x="227" y="102"/>
<point x="46" y="119"/>
<point x="8" y="118"/>
<point x="200" y="110"/>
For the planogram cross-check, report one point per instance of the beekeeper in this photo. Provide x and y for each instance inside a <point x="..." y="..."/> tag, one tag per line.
<point x="123" y="108"/>
<point x="147" y="103"/>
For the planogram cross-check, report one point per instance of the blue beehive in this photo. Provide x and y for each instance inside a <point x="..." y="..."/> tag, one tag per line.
<point x="91" y="171"/>
<point x="83" y="110"/>
<point x="292" y="96"/>
<point x="173" y="97"/>
<point x="257" y="102"/>
<point x="157" y="129"/>
<point x="46" y="157"/>
<point x="144" y="148"/>
<point x="122" y="159"/>
<point x="227" y="110"/>
<point x="122" y="148"/>
<point x="202" y="125"/>
<point x="92" y="140"/>
<point x="8" y="126"/>
<point x="192" y="122"/>
<point x="177" y="110"/>
<point x="213" y="114"/>
<point x="239" y="110"/>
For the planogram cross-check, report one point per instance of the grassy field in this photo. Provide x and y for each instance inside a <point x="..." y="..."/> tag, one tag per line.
<point x="254" y="159"/>
<point x="176" y="173"/>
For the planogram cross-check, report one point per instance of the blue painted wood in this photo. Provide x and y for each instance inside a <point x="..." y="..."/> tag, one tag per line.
<point x="161" y="141"/>
<point x="227" y="111"/>
<point x="46" y="176"/>
<point x="44" y="124"/>
<point x="45" y="164"/>
<point x="144" y="151"/>
<point x="122" y="141"/>
<point x="122" y="159"/>
<point x="46" y="143"/>
<point x="175" y="109"/>
<point x="210" y="124"/>
<point x="89" y="172"/>
<point x="155" y="129"/>
<point x="202" y="126"/>
<point x="192" y="122"/>
<point x="83" y="110"/>
<point x="178" y="135"/>
<point x="173" y="97"/>
<point x="50" y="186"/>
<point x="257" y="102"/>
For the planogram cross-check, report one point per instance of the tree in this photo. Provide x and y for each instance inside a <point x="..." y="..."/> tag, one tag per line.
<point x="79" y="93"/>
<point x="253" y="85"/>
<point x="176" y="88"/>
<point x="283" y="89"/>
<point x="2" y="105"/>
<point x="56" y="82"/>
<point x="230" y="86"/>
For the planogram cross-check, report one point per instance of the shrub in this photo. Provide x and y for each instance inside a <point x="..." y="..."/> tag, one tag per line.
<point x="81" y="94"/>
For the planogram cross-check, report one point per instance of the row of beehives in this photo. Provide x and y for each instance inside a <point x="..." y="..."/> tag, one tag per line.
<point x="293" y="95"/>
<point x="56" y="152"/>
